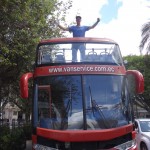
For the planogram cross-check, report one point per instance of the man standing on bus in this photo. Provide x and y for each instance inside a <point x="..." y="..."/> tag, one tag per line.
<point x="78" y="31"/>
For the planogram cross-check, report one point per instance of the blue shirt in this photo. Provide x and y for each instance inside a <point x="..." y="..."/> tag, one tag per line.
<point x="78" y="31"/>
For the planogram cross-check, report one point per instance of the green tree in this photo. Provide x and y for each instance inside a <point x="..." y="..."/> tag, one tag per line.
<point x="141" y="63"/>
<point x="145" y="37"/>
<point x="23" y="24"/>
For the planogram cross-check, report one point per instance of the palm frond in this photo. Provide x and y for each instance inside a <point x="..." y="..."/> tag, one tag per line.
<point x="145" y="37"/>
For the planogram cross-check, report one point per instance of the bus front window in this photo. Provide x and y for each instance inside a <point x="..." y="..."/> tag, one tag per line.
<point x="104" y="103"/>
<point x="65" y="100"/>
<point x="81" y="102"/>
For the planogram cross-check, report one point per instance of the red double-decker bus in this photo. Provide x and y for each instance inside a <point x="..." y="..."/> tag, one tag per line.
<point x="82" y="102"/>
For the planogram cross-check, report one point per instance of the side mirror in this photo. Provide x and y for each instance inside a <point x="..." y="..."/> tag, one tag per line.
<point x="24" y="84"/>
<point x="137" y="130"/>
<point x="136" y="81"/>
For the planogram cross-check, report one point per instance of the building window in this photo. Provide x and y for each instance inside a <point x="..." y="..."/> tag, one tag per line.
<point x="15" y="113"/>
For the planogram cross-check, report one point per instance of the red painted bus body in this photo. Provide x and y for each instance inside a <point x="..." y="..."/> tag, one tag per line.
<point x="82" y="103"/>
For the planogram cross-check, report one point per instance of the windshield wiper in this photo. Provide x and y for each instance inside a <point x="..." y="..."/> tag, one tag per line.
<point x="97" y="108"/>
<point x="100" y="113"/>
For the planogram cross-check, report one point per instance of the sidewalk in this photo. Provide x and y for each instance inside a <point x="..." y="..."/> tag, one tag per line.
<point x="28" y="145"/>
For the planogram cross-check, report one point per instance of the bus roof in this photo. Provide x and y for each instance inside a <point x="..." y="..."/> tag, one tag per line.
<point x="78" y="39"/>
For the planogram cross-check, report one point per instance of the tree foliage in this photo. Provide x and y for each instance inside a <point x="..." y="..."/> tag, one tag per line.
<point x="23" y="24"/>
<point x="141" y="63"/>
<point x="145" y="37"/>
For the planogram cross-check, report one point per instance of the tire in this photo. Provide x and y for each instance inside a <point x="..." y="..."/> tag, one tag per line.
<point x="143" y="147"/>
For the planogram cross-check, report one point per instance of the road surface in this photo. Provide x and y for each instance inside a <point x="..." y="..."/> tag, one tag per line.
<point x="28" y="145"/>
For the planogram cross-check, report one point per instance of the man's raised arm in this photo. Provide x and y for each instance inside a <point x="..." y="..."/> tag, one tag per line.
<point x="95" y="24"/>
<point x="63" y="28"/>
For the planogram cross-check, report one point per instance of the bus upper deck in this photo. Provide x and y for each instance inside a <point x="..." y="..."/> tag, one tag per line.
<point x="89" y="50"/>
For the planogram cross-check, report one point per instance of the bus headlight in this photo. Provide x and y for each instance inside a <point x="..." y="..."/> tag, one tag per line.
<point x="126" y="146"/>
<point x="41" y="147"/>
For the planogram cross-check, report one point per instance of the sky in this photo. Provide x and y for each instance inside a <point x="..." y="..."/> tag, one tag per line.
<point x="121" y="20"/>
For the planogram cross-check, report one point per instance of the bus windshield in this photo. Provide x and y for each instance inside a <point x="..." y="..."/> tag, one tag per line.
<point x="79" y="52"/>
<point x="82" y="102"/>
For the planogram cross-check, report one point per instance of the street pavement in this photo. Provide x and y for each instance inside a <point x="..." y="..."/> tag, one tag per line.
<point x="28" y="145"/>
